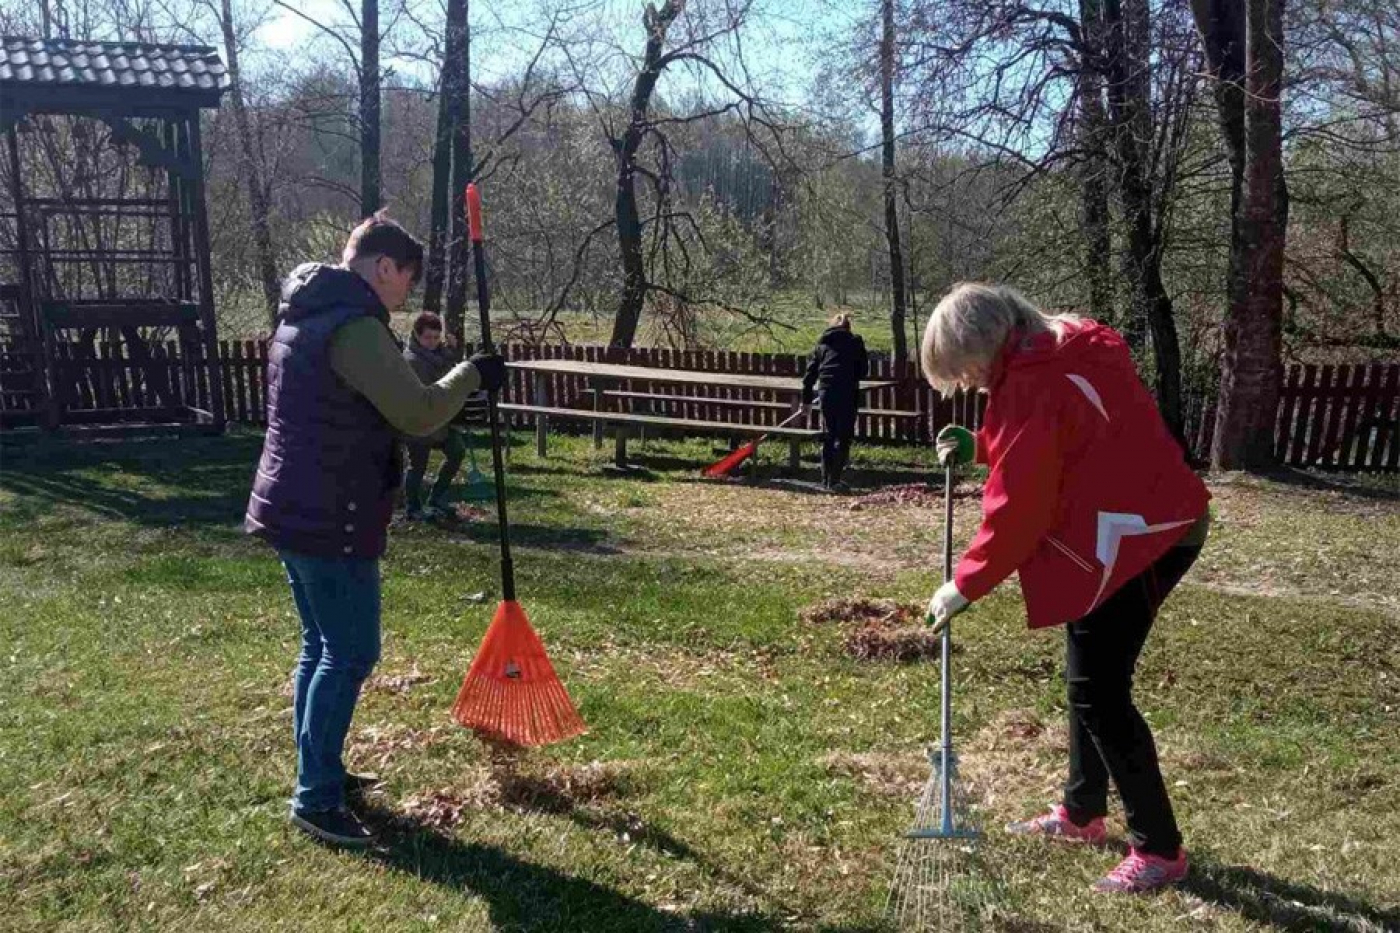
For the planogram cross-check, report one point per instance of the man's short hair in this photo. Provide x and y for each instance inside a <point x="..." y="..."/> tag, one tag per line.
<point x="427" y="320"/>
<point x="379" y="236"/>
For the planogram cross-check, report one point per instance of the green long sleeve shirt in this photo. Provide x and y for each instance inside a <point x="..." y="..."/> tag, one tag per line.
<point x="363" y="353"/>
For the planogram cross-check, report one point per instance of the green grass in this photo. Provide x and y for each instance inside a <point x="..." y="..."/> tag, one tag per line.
<point x="145" y="760"/>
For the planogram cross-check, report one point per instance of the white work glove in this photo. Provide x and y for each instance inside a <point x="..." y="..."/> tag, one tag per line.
<point x="945" y="604"/>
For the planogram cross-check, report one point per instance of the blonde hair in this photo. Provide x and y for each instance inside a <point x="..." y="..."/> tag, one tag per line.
<point x="840" y="320"/>
<point x="969" y="327"/>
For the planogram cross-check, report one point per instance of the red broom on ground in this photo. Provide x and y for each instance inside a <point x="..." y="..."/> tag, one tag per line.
<point x="511" y="694"/>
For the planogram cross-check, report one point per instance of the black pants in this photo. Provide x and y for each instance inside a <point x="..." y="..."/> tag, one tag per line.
<point x="453" y="452"/>
<point x="838" y="429"/>
<point x="1108" y="738"/>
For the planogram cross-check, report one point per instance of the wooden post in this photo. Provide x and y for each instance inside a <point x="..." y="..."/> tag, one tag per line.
<point x="541" y="422"/>
<point x="195" y="162"/>
<point x="620" y="446"/>
<point x="597" y="389"/>
<point x="795" y="446"/>
<point x="46" y="382"/>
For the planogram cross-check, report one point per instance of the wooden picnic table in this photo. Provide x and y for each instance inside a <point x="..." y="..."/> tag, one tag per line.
<point x="602" y="374"/>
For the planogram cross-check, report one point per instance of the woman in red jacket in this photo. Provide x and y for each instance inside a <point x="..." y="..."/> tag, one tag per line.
<point x="1089" y="499"/>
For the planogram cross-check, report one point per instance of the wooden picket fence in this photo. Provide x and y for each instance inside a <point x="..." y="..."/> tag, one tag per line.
<point x="925" y="411"/>
<point x="1343" y="417"/>
<point x="1340" y="417"/>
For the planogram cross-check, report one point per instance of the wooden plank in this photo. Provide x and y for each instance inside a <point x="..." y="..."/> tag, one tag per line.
<point x="1354" y="405"/>
<point x="77" y="314"/>
<point x="658" y="421"/>
<point x="1337" y="400"/>
<point x="225" y="383"/>
<point x="1288" y="412"/>
<point x="1369" y="451"/>
<point x="698" y="400"/>
<point x="1318" y="427"/>
<point x="240" y="383"/>
<point x="1390" y="418"/>
<point x="672" y="376"/>
<point x="1303" y="424"/>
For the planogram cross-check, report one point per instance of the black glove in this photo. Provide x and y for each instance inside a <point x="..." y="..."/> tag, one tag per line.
<point x="490" y="369"/>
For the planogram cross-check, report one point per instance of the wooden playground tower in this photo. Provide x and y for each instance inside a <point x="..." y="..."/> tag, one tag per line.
<point x="106" y="294"/>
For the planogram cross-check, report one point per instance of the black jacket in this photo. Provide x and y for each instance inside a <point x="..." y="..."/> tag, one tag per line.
<point x="838" y="364"/>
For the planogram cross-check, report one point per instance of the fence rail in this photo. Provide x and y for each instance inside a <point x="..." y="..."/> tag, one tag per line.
<point x="1340" y="417"/>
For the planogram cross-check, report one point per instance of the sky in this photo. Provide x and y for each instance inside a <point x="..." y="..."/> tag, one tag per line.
<point x="780" y="43"/>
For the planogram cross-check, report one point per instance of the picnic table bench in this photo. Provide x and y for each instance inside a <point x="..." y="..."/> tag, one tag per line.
<point x="604" y="376"/>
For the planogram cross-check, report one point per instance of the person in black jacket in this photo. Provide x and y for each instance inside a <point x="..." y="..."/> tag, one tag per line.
<point x="834" y="373"/>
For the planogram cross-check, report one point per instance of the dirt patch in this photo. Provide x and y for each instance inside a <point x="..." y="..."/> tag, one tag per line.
<point x="888" y="774"/>
<point x="509" y="782"/>
<point x="878" y="629"/>
<point x="399" y="684"/>
<point x="912" y="495"/>
<point x="1015" y="762"/>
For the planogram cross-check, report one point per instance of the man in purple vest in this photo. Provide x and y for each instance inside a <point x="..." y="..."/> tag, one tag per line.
<point x="339" y="393"/>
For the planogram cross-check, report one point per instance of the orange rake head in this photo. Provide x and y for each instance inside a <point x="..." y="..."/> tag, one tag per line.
<point x="511" y="693"/>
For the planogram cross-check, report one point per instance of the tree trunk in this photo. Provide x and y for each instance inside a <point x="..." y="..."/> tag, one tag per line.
<point x="451" y="83"/>
<point x="897" y="308"/>
<point x="435" y="263"/>
<point x="369" y="107"/>
<point x="463" y="168"/>
<point x="1244" y="50"/>
<point x="1098" y="240"/>
<point x="251" y="171"/>
<point x="629" y="224"/>
<point x="1130" y="115"/>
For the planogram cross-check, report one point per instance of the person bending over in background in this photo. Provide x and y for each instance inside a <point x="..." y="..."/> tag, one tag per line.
<point x="837" y="366"/>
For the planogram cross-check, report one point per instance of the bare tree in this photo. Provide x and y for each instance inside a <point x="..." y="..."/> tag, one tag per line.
<point x="369" y="106"/>
<point x="1093" y="168"/>
<point x="887" y="141"/>
<point x="1036" y="88"/>
<point x="453" y="85"/>
<point x="1244" y="50"/>
<point x="250" y="165"/>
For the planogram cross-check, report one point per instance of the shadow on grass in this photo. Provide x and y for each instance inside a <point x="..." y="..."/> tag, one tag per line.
<point x="1360" y="486"/>
<point x="187" y="481"/>
<point x="1281" y="904"/>
<point x="524" y="896"/>
<point x="203" y="480"/>
<point x="540" y="537"/>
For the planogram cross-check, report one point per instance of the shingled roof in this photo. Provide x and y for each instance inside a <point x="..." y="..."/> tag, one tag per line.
<point x="37" y="69"/>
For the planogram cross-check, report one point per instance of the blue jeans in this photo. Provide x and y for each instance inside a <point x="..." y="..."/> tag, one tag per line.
<point x="338" y="601"/>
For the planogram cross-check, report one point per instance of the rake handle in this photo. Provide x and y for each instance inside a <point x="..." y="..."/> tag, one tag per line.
<point x="946" y="651"/>
<point x="483" y="301"/>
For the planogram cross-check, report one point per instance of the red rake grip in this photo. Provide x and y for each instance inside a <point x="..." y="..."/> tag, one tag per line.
<point x="474" y="212"/>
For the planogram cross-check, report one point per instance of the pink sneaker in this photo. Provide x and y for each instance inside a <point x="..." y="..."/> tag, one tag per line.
<point x="1057" y="825"/>
<point x="1140" y="872"/>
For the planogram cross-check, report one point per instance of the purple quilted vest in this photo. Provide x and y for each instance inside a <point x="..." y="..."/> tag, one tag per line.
<point x="330" y="463"/>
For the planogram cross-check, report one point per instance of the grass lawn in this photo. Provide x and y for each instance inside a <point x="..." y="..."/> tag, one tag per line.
<point x="743" y="770"/>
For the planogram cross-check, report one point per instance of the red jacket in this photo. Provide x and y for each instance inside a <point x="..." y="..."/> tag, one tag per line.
<point x="1087" y="487"/>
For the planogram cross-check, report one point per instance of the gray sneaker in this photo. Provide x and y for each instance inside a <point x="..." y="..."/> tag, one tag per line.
<point x="338" y="827"/>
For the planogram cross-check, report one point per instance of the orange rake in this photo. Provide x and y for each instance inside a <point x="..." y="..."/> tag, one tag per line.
<point x="511" y="694"/>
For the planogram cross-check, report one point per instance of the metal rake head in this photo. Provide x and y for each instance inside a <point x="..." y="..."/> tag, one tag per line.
<point x="943" y="809"/>
<point x="940" y="882"/>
